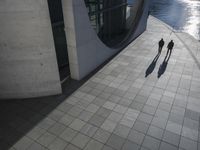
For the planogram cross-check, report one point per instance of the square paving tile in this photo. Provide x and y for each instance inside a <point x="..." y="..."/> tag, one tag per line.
<point x="85" y="115"/>
<point x="114" y="116"/>
<point x="92" y="108"/>
<point x="141" y="126"/>
<point x="166" y="146"/>
<point x="173" y="127"/>
<point x="136" y="137"/>
<point x="109" y="125"/>
<point x="72" y="147"/>
<point x="94" y="145"/>
<point x="188" y="144"/>
<point x="57" y="128"/>
<point x="159" y="122"/>
<point x="189" y="133"/>
<point x="155" y="132"/>
<point x="103" y="112"/>
<point x="58" y="144"/>
<point x="66" y="119"/>
<point x="107" y="148"/>
<point x="68" y="134"/>
<point x="97" y="120"/>
<point x="122" y="130"/>
<point x="88" y="130"/>
<point x="149" y="109"/>
<point x="101" y="135"/>
<point x="46" y="139"/>
<point x="145" y="118"/>
<point x="151" y="143"/>
<point x="115" y="141"/>
<point x="128" y="145"/>
<point x="171" y="138"/>
<point x="34" y="146"/>
<point x="120" y="109"/>
<point x="77" y="124"/>
<point x="80" y="140"/>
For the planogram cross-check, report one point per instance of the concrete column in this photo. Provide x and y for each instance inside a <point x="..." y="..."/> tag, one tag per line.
<point x="28" y="65"/>
<point x="68" y="13"/>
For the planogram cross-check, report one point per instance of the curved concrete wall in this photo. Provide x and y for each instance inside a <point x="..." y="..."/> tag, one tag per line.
<point x="28" y="65"/>
<point x="86" y="51"/>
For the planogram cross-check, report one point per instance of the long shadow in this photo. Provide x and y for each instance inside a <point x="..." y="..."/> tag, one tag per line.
<point x="19" y="117"/>
<point x="152" y="65"/>
<point x="164" y="64"/>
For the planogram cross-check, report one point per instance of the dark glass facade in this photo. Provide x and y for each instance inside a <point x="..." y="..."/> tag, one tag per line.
<point x="114" y="20"/>
<point x="57" y="21"/>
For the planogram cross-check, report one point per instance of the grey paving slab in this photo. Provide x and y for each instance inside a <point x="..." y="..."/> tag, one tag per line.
<point x="71" y="147"/>
<point x="46" y="139"/>
<point x="188" y="144"/>
<point x="68" y="134"/>
<point x="151" y="143"/>
<point x="58" y="144"/>
<point x="57" y="128"/>
<point x="141" y="126"/>
<point x="171" y="138"/>
<point x="80" y="140"/>
<point x="77" y="124"/>
<point x="136" y="137"/>
<point x="97" y="120"/>
<point x="94" y="145"/>
<point x="166" y="146"/>
<point x="102" y="135"/>
<point x="115" y="141"/>
<point x="155" y="132"/>
<point x="128" y="145"/>
<point x="103" y="112"/>
<point x="88" y="130"/>
<point x="35" y="146"/>
<point x="66" y="119"/>
<point x="109" y="125"/>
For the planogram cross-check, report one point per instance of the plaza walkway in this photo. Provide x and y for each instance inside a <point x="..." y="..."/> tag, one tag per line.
<point x="119" y="108"/>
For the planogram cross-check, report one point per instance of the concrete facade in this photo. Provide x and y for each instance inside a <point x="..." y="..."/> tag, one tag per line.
<point x="28" y="63"/>
<point x="86" y="51"/>
<point x="28" y="66"/>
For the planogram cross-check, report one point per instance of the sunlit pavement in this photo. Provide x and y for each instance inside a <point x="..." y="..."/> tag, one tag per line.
<point x="119" y="108"/>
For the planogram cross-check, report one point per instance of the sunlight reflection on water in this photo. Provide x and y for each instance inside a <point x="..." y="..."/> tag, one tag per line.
<point x="183" y="15"/>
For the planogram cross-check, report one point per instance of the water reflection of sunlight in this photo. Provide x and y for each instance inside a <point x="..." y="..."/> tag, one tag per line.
<point x="192" y="25"/>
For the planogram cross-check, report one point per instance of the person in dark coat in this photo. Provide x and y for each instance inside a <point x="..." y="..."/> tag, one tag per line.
<point x="160" y="45"/>
<point x="169" y="47"/>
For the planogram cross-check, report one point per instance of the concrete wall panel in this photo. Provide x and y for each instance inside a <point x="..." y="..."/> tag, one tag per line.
<point x="28" y="65"/>
<point x="89" y="49"/>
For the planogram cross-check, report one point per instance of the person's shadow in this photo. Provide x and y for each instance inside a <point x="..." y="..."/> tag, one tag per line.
<point x="152" y="65"/>
<point x="164" y="64"/>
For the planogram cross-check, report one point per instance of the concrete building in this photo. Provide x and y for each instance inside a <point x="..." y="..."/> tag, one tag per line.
<point x="43" y="42"/>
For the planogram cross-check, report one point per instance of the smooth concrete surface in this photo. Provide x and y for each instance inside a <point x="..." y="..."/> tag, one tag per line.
<point x="118" y="108"/>
<point x="28" y="65"/>
<point x="85" y="49"/>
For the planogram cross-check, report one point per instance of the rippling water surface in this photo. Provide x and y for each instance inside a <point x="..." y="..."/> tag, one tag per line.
<point x="182" y="15"/>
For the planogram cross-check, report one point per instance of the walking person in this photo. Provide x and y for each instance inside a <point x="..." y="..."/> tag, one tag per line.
<point x="169" y="51"/>
<point x="160" y="45"/>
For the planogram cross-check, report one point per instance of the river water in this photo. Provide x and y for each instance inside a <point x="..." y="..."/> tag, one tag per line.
<point x="183" y="15"/>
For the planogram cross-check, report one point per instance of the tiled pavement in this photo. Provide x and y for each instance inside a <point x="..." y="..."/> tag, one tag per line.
<point x="118" y="108"/>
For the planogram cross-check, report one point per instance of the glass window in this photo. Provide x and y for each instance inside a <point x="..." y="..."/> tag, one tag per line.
<point x="114" y="20"/>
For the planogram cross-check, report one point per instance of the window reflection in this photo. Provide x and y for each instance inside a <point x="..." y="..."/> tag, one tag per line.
<point x="114" y="20"/>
